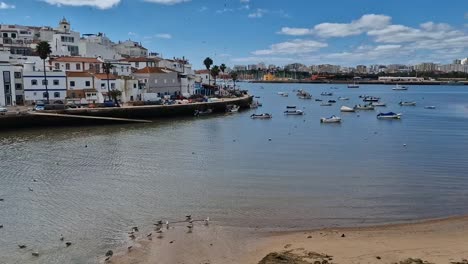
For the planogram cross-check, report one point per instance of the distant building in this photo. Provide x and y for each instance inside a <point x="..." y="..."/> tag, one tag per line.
<point x="98" y="45"/>
<point x="269" y="77"/>
<point x="361" y="69"/>
<point x="139" y="63"/>
<point x="77" y="64"/>
<point x="400" y="79"/>
<point x="456" y="61"/>
<point x="203" y="76"/>
<point x="81" y="89"/>
<point x="131" y="49"/>
<point x="7" y="84"/>
<point x="426" y="67"/>
<point x="159" y="81"/>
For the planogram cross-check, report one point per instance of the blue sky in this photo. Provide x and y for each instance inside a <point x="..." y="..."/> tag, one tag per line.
<point x="341" y="32"/>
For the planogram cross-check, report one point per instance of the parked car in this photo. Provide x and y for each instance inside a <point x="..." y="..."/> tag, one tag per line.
<point x="3" y="110"/>
<point x="58" y="102"/>
<point x="39" y="107"/>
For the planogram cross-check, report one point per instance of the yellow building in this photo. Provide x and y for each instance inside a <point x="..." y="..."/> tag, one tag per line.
<point x="269" y="77"/>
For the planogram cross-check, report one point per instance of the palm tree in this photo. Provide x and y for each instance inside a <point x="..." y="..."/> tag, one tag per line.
<point x="215" y="72"/>
<point x="208" y="62"/>
<point x="234" y="78"/>
<point x="115" y="94"/>
<point x="44" y="50"/>
<point x="107" y="67"/>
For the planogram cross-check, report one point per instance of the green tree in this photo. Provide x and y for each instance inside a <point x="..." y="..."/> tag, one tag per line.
<point x="115" y="94"/>
<point x="234" y="78"/>
<point x="44" y="50"/>
<point x="215" y="72"/>
<point x="107" y="67"/>
<point x="208" y="62"/>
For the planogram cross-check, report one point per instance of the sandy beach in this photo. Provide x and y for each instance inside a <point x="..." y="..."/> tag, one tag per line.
<point x="433" y="241"/>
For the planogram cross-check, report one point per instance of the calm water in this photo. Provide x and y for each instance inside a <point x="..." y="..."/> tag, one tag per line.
<point x="309" y="175"/>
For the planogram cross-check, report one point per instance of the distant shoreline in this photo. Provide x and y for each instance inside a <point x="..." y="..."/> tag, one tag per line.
<point x="361" y="82"/>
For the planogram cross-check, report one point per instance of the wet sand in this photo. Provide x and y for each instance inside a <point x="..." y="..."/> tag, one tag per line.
<point x="433" y="241"/>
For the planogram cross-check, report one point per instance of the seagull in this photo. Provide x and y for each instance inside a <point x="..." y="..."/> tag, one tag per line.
<point x="22" y="246"/>
<point x="36" y="254"/>
<point x="207" y="221"/>
<point x="107" y="259"/>
<point x="132" y="236"/>
<point x="1" y="199"/>
<point x="167" y="224"/>
<point x="189" y="217"/>
<point x="30" y="189"/>
<point x="61" y="237"/>
<point x="1" y="226"/>
<point x="68" y="244"/>
<point x="130" y="248"/>
<point x="135" y="228"/>
<point x="159" y="231"/>
<point x="150" y="234"/>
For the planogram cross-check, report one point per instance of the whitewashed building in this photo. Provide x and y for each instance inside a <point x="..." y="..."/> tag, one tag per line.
<point x="34" y="85"/>
<point x="77" y="64"/>
<point x="7" y="84"/>
<point x="98" y="45"/>
<point x="82" y="90"/>
<point x="131" y="49"/>
<point x="138" y="63"/>
<point x="130" y="89"/>
<point x="121" y="68"/>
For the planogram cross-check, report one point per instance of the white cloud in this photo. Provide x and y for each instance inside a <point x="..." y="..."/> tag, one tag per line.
<point x="101" y="4"/>
<point x="4" y="5"/>
<point x="164" y="36"/>
<point x="258" y="13"/>
<point x="132" y="34"/>
<point x="356" y="27"/>
<point x="167" y="2"/>
<point x="297" y="46"/>
<point x="295" y="31"/>
<point x="203" y="9"/>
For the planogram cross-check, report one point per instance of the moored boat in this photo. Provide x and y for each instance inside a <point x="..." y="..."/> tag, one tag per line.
<point x="291" y="107"/>
<point x="293" y="112"/>
<point x="430" y="107"/>
<point x="232" y="108"/>
<point x="371" y="99"/>
<point x="202" y="113"/>
<point x="331" y="119"/>
<point x="326" y="104"/>
<point x="407" y="103"/>
<point x="261" y="116"/>
<point x="389" y="115"/>
<point x="347" y="109"/>
<point x="400" y="88"/>
<point x="318" y="100"/>
<point x="378" y="104"/>
<point x="343" y="98"/>
<point x="332" y="101"/>
<point x="326" y="94"/>
<point x="364" y="107"/>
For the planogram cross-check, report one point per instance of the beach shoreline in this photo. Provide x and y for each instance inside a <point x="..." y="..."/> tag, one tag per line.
<point x="439" y="240"/>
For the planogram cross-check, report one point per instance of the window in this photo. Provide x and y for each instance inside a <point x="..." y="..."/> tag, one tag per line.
<point x="131" y="97"/>
<point x="97" y="68"/>
<point x="122" y="68"/>
<point x="17" y="75"/>
<point x="165" y="81"/>
<point x="18" y="86"/>
<point x="35" y="94"/>
<point x="56" y="82"/>
<point x="134" y="86"/>
<point x="33" y="82"/>
<point x="5" y="35"/>
<point x="73" y="95"/>
<point x="44" y="94"/>
<point x="91" y="66"/>
<point x="87" y="83"/>
<point x="103" y="85"/>
<point x="57" y="66"/>
<point x="67" y="66"/>
<point x="56" y="95"/>
<point x="112" y="85"/>
<point x="78" y="66"/>
<point x="72" y="83"/>
<point x="45" y="82"/>
<point x="137" y="64"/>
<point x="128" y="68"/>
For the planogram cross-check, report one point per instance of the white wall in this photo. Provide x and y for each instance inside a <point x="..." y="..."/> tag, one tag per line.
<point x="35" y="92"/>
<point x="92" y="49"/>
<point x="7" y="81"/>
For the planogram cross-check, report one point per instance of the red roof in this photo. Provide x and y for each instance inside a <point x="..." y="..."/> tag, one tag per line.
<point x="202" y="72"/>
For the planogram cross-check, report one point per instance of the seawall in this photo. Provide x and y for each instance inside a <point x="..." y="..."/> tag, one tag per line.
<point x="152" y="112"/>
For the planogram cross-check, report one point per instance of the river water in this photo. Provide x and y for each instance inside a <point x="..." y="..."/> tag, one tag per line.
<point x="92" y="184"/>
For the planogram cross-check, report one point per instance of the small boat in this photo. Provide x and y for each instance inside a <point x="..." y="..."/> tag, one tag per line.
<point x="407" y="103"/>
<point x="400" y="88"/>
<point x="326" y="94"/>
<point x="331" y="119"/>
<point x="257" y="96"/>
<point x="232" y="108"/>
<point x="347" y="109"/>
<point x="253" y="105"/>
<point x="354" y="85"/>
<point x="281" y="93"/>
<point x="291" y="107"/>
<point x="261" y="116"/>
<point x="202" y="113"/>
<point x="285" y="95"/>
<point x="371" y="99"/>
<point x="307" y="97"/>
<point x="364" y="107"/>
<point x="326" y="104"/>
<point x="293" y="112"/>
<point x="378" y="104"/>
<point x="343" y="98"/>
<point x="363" y="96"/>
<point x="259" y="104"/>
<point x="389" y="115"/>
<point x="332" y="101"/>
<point x="318" y="100"/>
<point x="430" y="107"/>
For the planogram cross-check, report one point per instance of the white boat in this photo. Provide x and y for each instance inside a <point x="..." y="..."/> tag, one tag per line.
<point x="261" y="116"/>
<point x="331" y="119"/>
<point x="202" y="113"/>
<point x="378" y="104"/>
<point x="326" y="104"/>
<point x="285" y="95"/>
<point x="430" y="107"/>
<point x="280" y="93"/>
<point x="347" y="109"/>
<point x="343" y="98"/>
<point x="354" y="85"/>
<point x="407" y="103"/>
<point x="389" y="115"/>
<point x="371" y="99"/>
<point x="326" y="94"/>
<point x="364" y="107"/>
<point x="400" y="88"/>
<point x="293" y="112"/>
<point x="232" y="108"/>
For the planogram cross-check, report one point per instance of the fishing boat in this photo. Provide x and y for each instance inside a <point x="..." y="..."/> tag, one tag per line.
<point x="261" y="116"/>
<point x="232" y="108"/>
<point x="281" y="93"/>
<point x="293" y="112"/>
<point x="306" y="97"/>
<point x="389" y="115"/>
<point x="257" y="96"/>
<point x="291" y="107"/>
<point x="354" y="85"/>
<point x="326" y="104"/>
<point x="400" y="88"/>
<point x="407" y="103"/>
<point x="285" y="95"/>
<point x="371" y="99"/>
<point x="364" y="107"/>
<point x="430" y="107"/>
<point x="318" y="100"/>
<point x="202" y="113"/>
<point x="332" y="101"/>
<point x="378" y="104"/>
<point x="343" y="98"/>
<point x="326" y="94"/>
<point x="347" y="109"/>
<point x="331" y="119"/>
